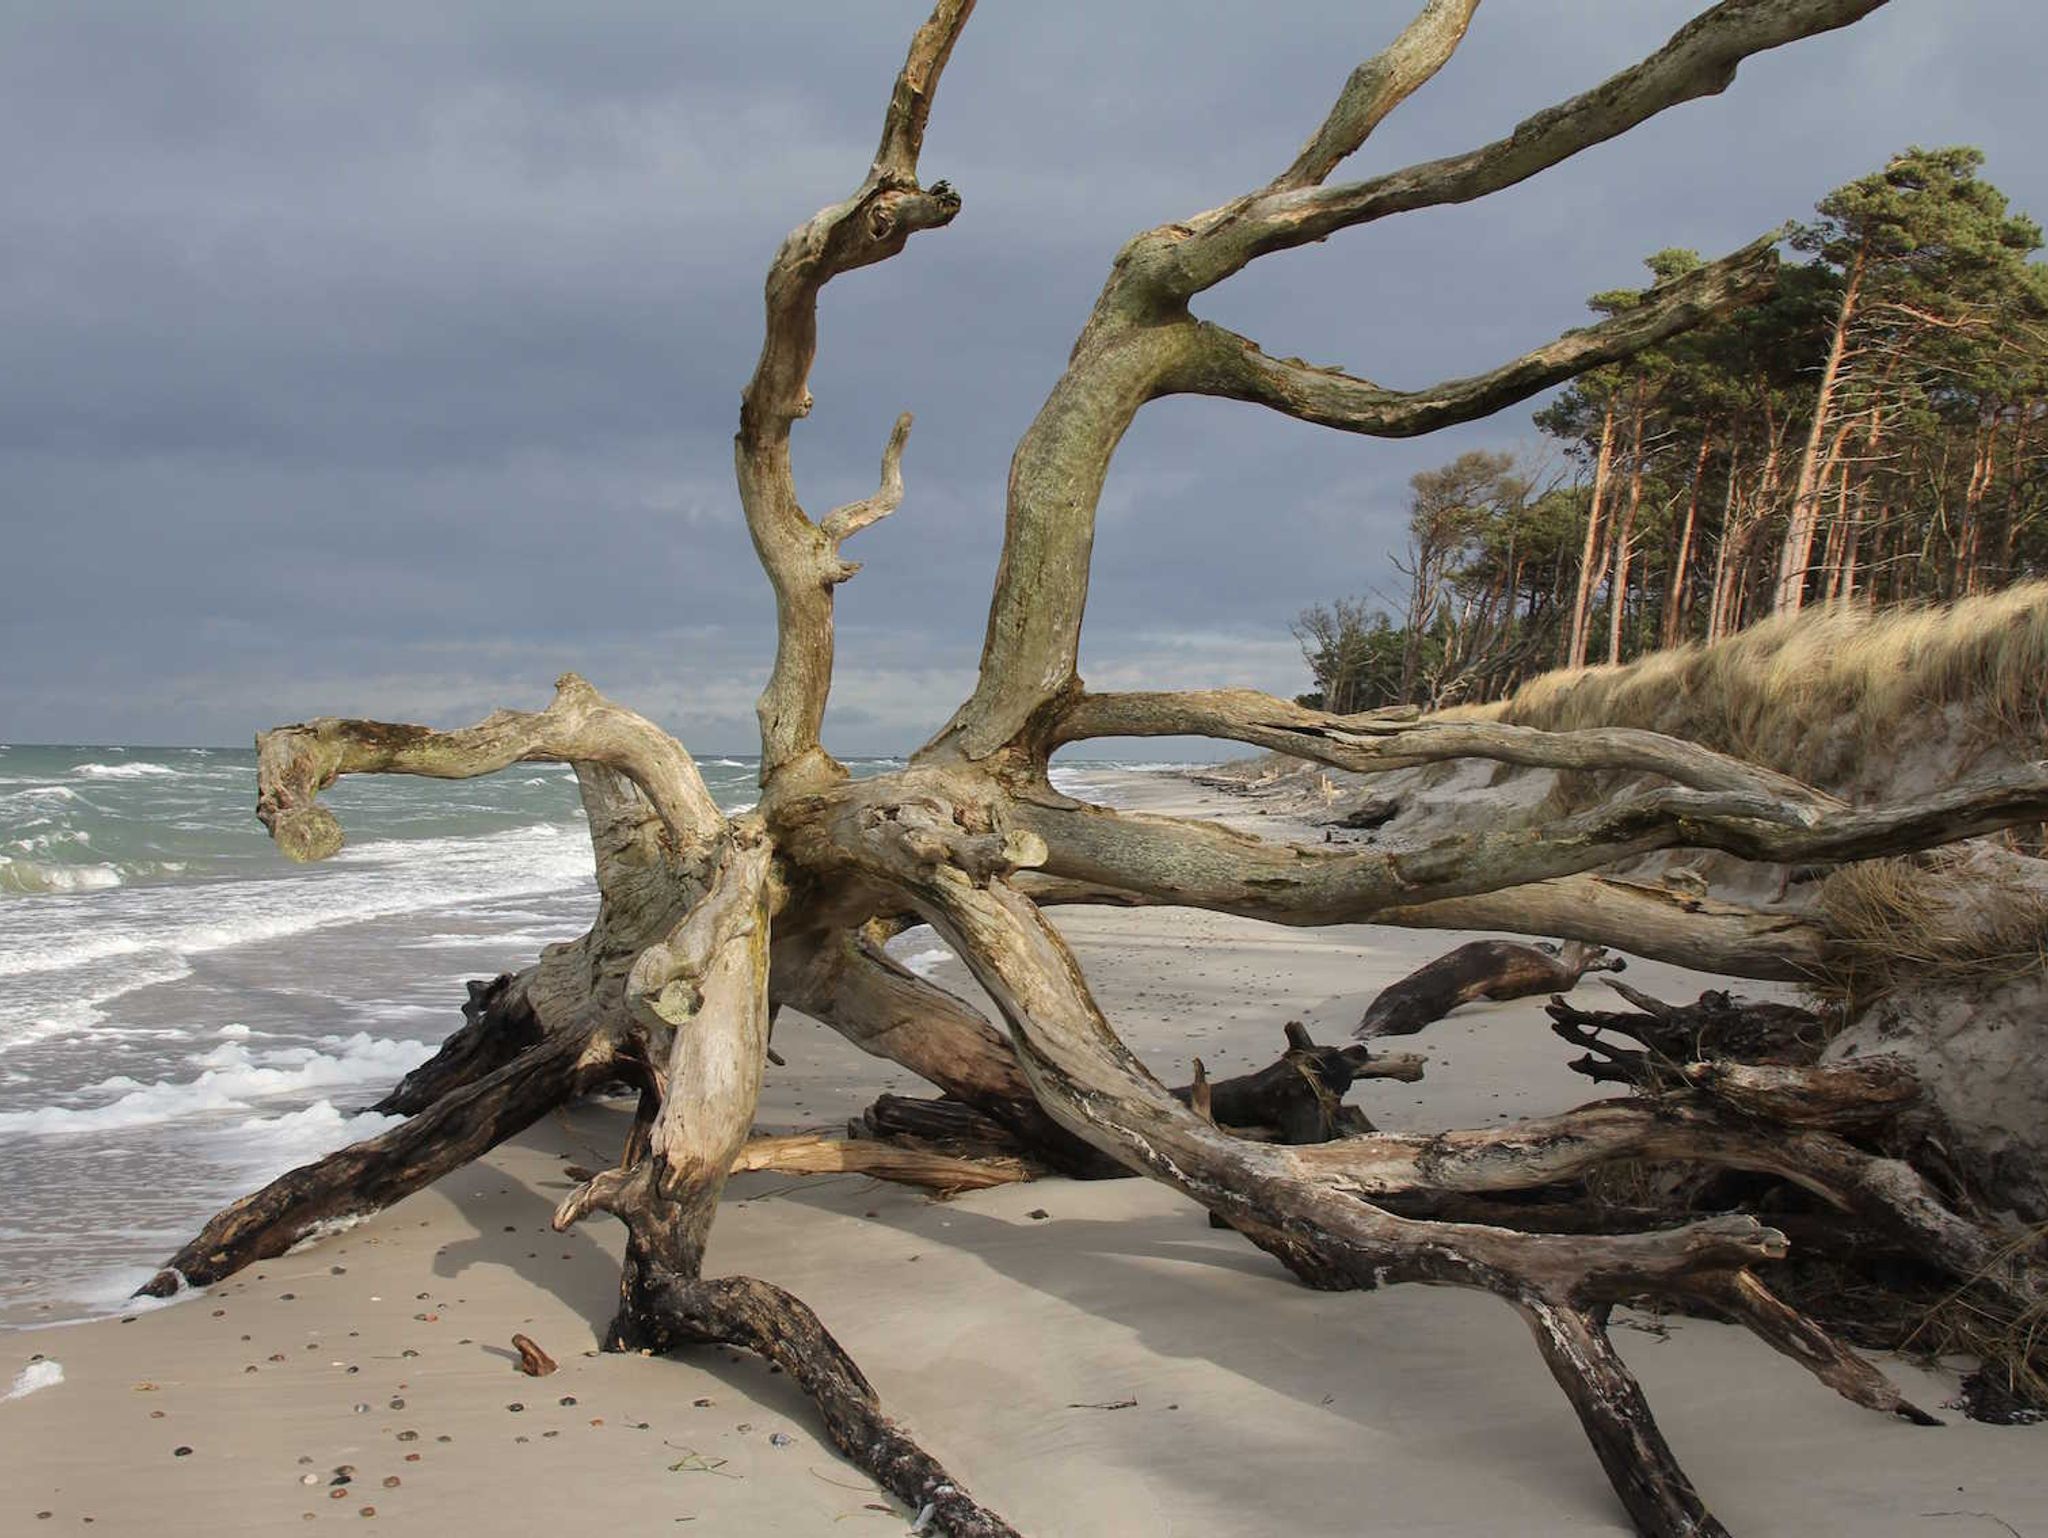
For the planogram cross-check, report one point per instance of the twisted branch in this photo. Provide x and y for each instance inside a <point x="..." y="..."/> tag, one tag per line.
<point x="295" y="763"/>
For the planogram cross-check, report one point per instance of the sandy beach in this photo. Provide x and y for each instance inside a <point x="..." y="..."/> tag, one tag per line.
<point x="1091" y="1359"/>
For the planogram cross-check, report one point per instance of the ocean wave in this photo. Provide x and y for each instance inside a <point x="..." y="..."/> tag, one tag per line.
<point x="365" y="881"/>
<point x="232" y="1078"/>
<point x="42" y="876"/>
<point x="132" y="771"/>
<point x="919" y="949"/>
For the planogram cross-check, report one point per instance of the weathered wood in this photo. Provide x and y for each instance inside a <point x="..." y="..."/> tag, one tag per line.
<point x="930" y="1169"/>
<point x="498" y="1023"/>
<point x="369" y="1176"/>
<point x="1715" y="1028"/>
<point x="533" y="1361"/>
<point x="1483" y="969"/>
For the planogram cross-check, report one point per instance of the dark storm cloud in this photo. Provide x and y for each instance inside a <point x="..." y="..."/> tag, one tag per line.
<point x="384" y="358"/>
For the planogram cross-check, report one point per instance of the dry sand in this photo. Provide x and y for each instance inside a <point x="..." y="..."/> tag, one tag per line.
<point x="1003" y="1338"/>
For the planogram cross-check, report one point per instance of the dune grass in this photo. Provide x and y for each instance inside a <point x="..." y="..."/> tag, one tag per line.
<point x="1823" y="693"/>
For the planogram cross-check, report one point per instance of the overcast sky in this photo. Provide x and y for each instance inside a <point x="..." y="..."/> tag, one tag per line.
<point x="383" y="358"/>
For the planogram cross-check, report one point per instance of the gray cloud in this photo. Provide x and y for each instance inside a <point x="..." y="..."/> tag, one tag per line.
<point x="384" y="358"/>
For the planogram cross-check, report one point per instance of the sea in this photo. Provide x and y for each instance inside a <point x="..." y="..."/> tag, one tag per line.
<point x="185" y="1015"/>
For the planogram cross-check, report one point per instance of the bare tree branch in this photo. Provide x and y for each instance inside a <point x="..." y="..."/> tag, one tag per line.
<point x="1700" y="60"/>
<point x="802" y="560"/>
<point x="295" y="763"/>
<point x="1207" y="866"/>
<point x="1140" y="341"/>
<point x="1376" y="742"/>
<point x="1224" y="363"/>
<point x="1705" y="934"/>
<point x="1377" y="87"/>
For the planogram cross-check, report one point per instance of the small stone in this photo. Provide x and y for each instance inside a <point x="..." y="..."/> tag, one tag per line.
<point x="412" y="1457"/>
<point x="408" y="1436"/>
<point x="367" y="1511"/>
<point x="568" y="1399"/>
<point x="309" y="1479"/>
<point x="398" y="1404"/>
<point x="353" y="1368"/>
<point x="444" y="1439"/>
<point x="391" y="1481"/>
<point x="181" y="1452"/>
<point x="362" y="1409"/>
<point x="746" y="1426"/>
<point x="156" y="1415"/>
<point x="337" y="1270"/>
<point x="778" y="1439"/>
<point x="277" y="1356"/>
<point x="515" y="1407"/>
<point x="408" y="1352"/>
<point x="286" y="1297"/>
<point x="1038" y="1214"/>
<point x="337" y="1494"/>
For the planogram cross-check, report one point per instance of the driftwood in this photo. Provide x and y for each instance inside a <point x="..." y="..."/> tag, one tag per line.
<point x="1716" y="1028"/>
<point x="1484" y="969"/>
<point x="706" y="924"/>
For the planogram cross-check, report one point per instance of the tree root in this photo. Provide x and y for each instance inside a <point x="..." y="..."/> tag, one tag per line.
<point x="762" y="1318"/>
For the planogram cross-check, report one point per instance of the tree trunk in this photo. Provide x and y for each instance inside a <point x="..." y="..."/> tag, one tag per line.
<point x="1797" y="552"/>
<point x="1590" y="562"/>
<point x="1676" y="600"/>
<point x="1625" y="535"/>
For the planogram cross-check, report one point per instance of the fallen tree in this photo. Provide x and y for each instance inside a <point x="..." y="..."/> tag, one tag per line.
<point x="707" y="924"/>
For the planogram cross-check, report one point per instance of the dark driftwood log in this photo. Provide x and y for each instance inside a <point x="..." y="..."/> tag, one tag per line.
<point x="942" y="1124"/>
<point x="497" y="1025"/>
<point x="1484" y="969"/>
<point x="369" y="1176"/>
<point x="1298" y="1099"/>
<point x="1715" y="1028"/>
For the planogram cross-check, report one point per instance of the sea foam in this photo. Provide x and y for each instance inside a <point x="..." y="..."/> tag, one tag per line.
<point x="37" y="1375"/>
<point x="233" y="1078"/>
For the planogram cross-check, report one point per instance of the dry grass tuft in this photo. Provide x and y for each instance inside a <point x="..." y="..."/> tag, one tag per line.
<point x="1818" y="694"/>
<point x="1953" y="916"/>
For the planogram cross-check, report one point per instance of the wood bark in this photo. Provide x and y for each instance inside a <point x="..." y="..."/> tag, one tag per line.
<point x="1589" y="565"/>
<point x="1482" y="969"/>
<point x="1796" y="556"/>
<point x="707" y="924"/>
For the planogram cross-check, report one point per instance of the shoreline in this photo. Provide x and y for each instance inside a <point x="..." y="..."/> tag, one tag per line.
<point x="1000" y="1337"/>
